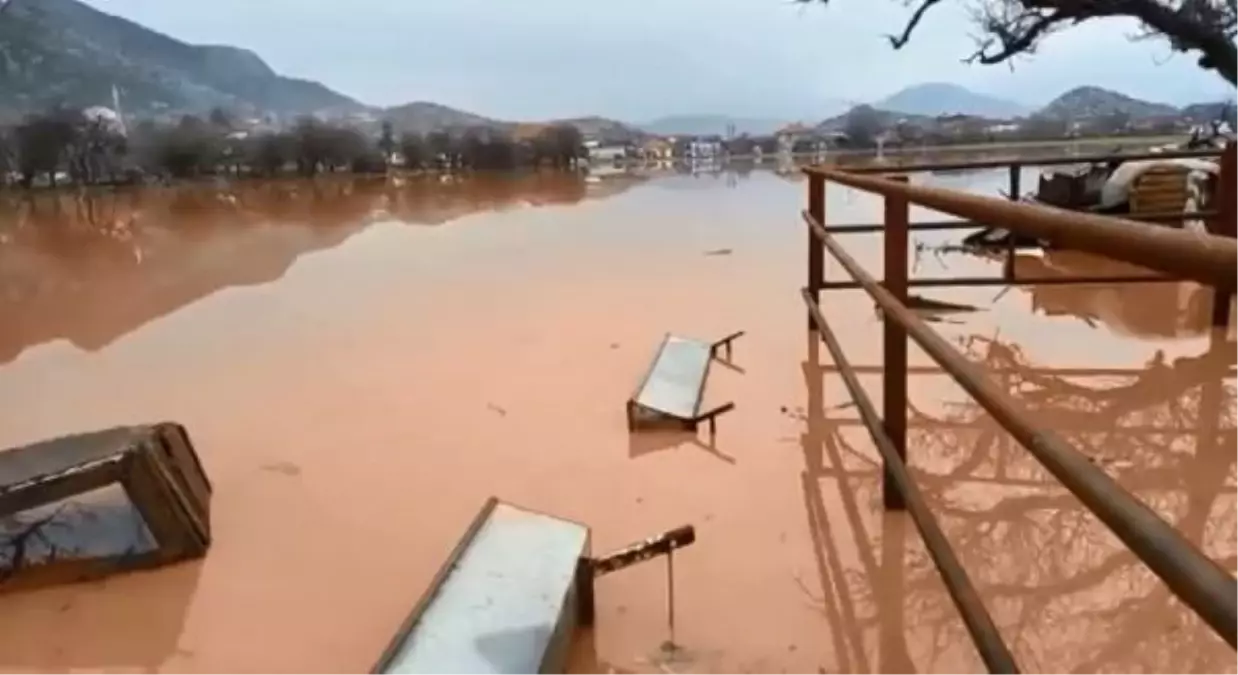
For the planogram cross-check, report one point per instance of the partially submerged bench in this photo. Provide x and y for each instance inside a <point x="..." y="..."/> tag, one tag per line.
<point x="88" y="505"/>
<point x="510" y="595"/>
<point x="672" y="390"/>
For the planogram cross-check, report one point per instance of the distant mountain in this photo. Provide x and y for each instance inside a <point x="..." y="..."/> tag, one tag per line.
<point x="1210" y="112"/>
<point x="424" y="117"/>
<point x="705" y="125"/>
<point x="606" y="128"/>
<point x="55" y="52"/>
<point x="934" y="99"/>
<point x="1085" y="102"/>
<point x="884" y="119"/>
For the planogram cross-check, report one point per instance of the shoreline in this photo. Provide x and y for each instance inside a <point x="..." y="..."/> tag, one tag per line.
<point x="1063" y="146"/>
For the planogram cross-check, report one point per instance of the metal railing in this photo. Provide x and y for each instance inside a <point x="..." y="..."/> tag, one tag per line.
<point x="1201" y="584"/>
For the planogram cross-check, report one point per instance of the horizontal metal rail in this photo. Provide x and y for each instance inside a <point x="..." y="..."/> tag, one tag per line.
<point x="1052" y="160"/>
<point x="1205" y="258"/>
<point x="1001" y="281"/>
<point x="1075" y="428"/>
<point x="975" y="616"/>
<point x="1201" y="584"/>
<point x="1040" y="371"/>
<point x="935" y="225"/>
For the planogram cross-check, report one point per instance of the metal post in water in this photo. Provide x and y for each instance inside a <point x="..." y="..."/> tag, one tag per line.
<point x="1225" y="224"/>
<point x="894" y="339"/>
<point x="1016" y="171"/>
<point x="816" y="249"/>
<point x="670" y="594"/>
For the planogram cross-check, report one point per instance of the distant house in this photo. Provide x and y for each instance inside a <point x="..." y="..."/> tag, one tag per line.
<point x="657" y="148"/>
<point x="1162" y="124"/>
<point x="1003" y="128"/>
<point x="605" y="152"/>
<point x="703" y="147"/>
<point x="790" y="135"/>
<point x="960" y="126"/>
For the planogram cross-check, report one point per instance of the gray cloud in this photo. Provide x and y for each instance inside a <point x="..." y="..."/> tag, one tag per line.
<point x="640" y="59"/>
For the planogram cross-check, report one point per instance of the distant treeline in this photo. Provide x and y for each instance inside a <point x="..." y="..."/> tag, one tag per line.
<point x="66" y="144"/>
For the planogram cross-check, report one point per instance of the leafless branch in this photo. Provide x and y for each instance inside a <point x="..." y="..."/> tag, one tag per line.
<point x="1013" y="27"/>
<point x="899" y="41"/>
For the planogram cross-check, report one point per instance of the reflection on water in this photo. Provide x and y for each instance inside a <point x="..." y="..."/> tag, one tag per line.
<point x="377" y="390"/>
<point x="120" y="260"/>
<point x="1064" y="592"/>
<point x="95" y="524"/>
<point x="1152" y="310"/>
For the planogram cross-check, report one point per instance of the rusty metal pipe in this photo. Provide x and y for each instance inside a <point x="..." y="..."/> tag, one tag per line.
<point x="976" y="618"/>
<point x="662" y="544"/>
<point x="935" y="225"/>
<point x="1205" y="258"/>
<point x="1201" y="584"/>
<point x="998" y="281"/>
<point x="1056" y="160"/>
<point x="894" y="342"/>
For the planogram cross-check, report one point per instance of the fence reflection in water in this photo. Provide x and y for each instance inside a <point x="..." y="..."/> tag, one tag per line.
<point x="1193" y="577"/>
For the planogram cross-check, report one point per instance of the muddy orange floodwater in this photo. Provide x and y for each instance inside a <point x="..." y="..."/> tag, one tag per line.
<point x="361" y="365"/>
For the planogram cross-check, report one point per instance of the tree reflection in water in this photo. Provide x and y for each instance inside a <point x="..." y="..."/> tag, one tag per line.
<point x="92" y="266"/>
<point x="1065" y="592"/>
<point x="1164" y="310"/>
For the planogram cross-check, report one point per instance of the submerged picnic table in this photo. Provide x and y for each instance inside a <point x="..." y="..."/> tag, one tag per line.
<point x="673" y="389"/>
<point x="511" y="594"/>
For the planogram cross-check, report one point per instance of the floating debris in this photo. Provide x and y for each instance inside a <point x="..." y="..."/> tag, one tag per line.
<point x="523" y="581"/>
<point x="670" y="395"/>
<point x="89" y="505"/>
<point x="919" y="302"/>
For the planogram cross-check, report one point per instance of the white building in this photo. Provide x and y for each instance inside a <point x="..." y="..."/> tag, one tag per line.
<point x="704" y="148"/>
<point x="106" y="118"/>
<point x="605" y="152"/>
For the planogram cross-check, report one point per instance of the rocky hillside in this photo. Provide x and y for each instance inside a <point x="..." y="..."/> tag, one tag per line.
<point x="606" y="128"/>
<point x="707" y="125"/>
<point x="933" y="99"/>
<point x="877" y="117"/>
<point x="424" y="117"/>
<point x="1084" y="102"/>
<point x="1210" y="112"/>
<point x="65" y="52"/>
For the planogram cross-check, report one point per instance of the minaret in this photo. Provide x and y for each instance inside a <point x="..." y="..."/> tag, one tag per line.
<point x="120" y="115"/>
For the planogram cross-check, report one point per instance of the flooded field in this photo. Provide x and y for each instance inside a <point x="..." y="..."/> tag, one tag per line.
<point x="362" y="364"/>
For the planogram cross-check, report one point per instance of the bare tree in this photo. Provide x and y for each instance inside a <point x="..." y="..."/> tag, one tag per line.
<point x="863" y="126"/>
<point x="221" y="118"/>
<point x="43" y="141"/>
<point x="268" y="153"/>
<point x="387" y="142"/>
<point x="561" y="144"/>
<point x="1012" y="27"/>
<point x="413" y="147"/>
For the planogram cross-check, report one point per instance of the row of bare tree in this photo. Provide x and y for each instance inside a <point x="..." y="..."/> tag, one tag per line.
<point x="65" y="144"/>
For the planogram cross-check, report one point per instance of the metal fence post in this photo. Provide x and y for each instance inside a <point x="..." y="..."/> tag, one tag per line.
<point x="1016" y="174"/>
<point x="1226" y="225"/>
<point x="816" y="249"/>
<point x="894" y="340"/>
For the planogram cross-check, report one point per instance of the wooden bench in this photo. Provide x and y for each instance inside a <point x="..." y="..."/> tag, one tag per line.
<point x="87" y="505"/>
<point x="510" y="595"/>
<point x="1161" y="189"/>
<point x="672" y="390"/>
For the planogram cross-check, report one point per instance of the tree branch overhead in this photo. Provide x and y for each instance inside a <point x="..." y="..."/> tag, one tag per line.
<point x="1203" y="28"/>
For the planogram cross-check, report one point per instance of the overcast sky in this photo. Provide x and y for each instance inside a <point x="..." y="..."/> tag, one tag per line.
<point x="640" y="59"/>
